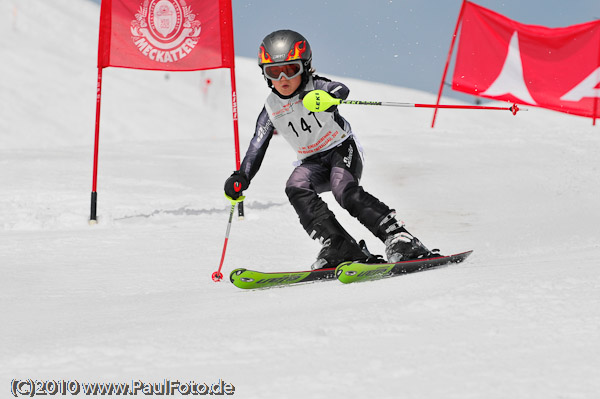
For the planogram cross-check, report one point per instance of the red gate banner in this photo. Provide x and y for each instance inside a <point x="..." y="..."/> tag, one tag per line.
<point x="164" y="35"/>
<point x="169" y="35"/>
<point x="555" y="68"/>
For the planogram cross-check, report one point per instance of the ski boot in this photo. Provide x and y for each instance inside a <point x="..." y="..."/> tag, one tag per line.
<point x="338" y="245"/>
<point x="400" y="245"/>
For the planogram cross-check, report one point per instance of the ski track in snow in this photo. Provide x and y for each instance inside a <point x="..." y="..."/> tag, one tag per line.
<point x="132" y="299"/>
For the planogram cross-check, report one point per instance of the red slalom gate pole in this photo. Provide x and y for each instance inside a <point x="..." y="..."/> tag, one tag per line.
<point x="460" y="15"/>
<point x="236" y="134"/>
<point x="94" y="201"/>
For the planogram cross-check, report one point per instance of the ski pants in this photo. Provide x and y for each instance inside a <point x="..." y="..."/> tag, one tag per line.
<point x="337" y="170"/>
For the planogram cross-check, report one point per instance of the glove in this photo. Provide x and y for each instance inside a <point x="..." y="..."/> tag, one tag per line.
<point x="330" y="109"/>
<point x="235" y="184"/>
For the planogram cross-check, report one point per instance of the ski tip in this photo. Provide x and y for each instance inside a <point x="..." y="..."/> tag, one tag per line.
<point x="234" y="273"/>
<point x="339" y="268"/>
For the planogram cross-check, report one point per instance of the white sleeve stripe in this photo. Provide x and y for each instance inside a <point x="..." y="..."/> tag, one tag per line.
<point x="336" y="89"/>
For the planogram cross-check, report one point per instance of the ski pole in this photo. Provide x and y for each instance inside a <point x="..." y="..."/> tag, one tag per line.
<point x="218" y="276"/>
<point x="320" y="100"/>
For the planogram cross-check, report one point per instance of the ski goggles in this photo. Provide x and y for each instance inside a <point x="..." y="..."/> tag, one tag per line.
<point x="289" y="69"/>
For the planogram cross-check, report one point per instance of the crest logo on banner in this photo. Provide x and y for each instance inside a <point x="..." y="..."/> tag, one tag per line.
<point x="165" y="30"/>
<point x="164" y="35"/>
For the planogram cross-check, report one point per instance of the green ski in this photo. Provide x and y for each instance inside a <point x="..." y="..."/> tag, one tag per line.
<point x="351" y="272"/>
<point x="251" y="279"/>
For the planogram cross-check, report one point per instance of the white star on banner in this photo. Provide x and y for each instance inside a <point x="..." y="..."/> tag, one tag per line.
<point x="511" y="80"/>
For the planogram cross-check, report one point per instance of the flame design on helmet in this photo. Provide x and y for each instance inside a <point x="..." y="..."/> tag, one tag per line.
<point x="297" y="51"/>
<point x="264" y="56"/>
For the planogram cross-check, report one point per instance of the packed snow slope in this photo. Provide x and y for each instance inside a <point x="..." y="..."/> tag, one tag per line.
<point x="131" y="298"/>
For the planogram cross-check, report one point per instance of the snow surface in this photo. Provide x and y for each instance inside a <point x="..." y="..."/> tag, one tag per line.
<point x="132" y="299"/>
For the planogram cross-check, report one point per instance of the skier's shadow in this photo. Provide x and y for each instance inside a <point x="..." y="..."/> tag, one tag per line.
<point x="186" y="211"/>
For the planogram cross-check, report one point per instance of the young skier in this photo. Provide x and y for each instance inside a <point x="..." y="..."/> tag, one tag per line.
<point x="328" y="154"/>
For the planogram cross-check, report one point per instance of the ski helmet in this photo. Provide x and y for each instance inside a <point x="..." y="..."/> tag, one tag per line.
<point x="284" y="46"/>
